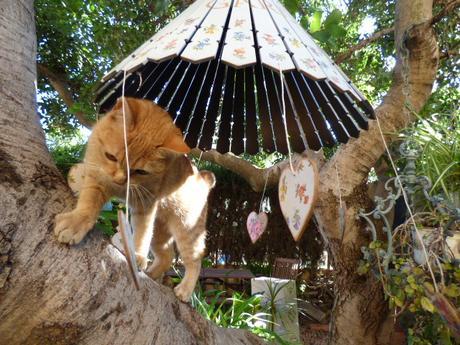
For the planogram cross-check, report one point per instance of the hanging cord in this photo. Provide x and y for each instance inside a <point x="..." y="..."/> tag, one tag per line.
<point x="284" y="119"/>
<point x="263" y="192"/>
<point x="125" y="137"/>
<point x="199" y="160"/>
<point x="406" y="201"/>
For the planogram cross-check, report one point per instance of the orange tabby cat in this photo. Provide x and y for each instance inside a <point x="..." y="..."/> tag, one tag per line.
<point x="165" y="188"/>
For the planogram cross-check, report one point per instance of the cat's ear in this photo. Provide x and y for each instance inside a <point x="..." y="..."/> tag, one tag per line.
<point x="128" y="108"/>
<point x="175" y="142"/>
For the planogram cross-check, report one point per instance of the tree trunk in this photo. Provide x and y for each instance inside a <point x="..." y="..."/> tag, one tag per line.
<point x="51" y="293"/>
<point x="361" y="310"/>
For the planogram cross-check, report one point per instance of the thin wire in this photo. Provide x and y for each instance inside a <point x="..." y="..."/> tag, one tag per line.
<point x="263" y="192"/>
<point x="125" y="137"/>
<point x="419" y="236"/>
<point x="284" y="119"/>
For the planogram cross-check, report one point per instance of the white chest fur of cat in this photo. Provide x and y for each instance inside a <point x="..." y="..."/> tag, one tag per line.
<point x="168" y="195"/>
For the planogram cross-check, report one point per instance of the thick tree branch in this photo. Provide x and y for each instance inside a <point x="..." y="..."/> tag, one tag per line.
<point x="414" y="31"/>
<point x="253" y="175"/>
<point x="62" y="87"/>
<point x="364" y="43"/>
<point x="448" y="8"/>
<point x="448" y="54"/>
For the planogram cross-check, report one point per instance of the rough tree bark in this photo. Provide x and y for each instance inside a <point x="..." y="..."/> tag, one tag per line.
<point x="360" y="314"/>
<point x="50" y="293"/>
<point x="360" y="310"/>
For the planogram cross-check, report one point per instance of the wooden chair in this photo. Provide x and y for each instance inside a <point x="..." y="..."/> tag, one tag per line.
<point x="285" y="268"/>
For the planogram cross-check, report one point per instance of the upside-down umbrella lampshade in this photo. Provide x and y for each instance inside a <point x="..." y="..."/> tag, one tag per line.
<point x="216" y="69"/>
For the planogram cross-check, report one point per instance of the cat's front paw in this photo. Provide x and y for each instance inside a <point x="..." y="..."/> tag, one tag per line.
<point x="141" y="261"/>
<point x="183" y="292"/>
<point x="71" y="227"/>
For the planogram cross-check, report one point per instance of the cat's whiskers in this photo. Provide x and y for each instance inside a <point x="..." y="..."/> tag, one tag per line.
<point x="147" y="194"/>
<point x="134" y="194"/>
<point x="143" y="201"/>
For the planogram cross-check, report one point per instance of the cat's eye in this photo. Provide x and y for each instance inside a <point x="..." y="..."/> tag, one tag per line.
<point x="140" y="172"/>
<point x="111" y="157"/>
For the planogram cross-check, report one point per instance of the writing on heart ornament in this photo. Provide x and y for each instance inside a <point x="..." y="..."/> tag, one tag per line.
<point x="256" y="225"/>
<point x="297" y="192"/>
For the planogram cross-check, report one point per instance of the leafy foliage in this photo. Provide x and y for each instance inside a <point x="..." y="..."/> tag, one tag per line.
<point x="66" y="153"/>
<point x="79" y="40"/>
<point x="410" y="287"/>
<point x="438" y="138"/>
<point x="238" y="311"/>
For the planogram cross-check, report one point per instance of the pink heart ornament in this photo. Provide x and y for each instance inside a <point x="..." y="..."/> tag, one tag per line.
<point x="256" y="225"/>
<point x="297" y="193"/>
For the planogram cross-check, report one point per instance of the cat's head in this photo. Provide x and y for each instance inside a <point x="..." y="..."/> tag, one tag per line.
<point x="152" y="138"/>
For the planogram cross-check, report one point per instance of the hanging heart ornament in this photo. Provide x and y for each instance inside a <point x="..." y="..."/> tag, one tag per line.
<point x="297" y="192"/>
<point x="256" y="225"/>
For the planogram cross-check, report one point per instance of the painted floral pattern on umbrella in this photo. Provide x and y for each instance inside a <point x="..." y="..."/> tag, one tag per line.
<point x="240" y="36"/>
<point x="201" y="44"/>
<point x="239" y="52"/>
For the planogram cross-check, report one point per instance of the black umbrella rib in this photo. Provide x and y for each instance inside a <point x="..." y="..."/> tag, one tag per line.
<point x="252" y="146"/>
<point x="238" y="119"/>
<point x="315" y="108"/>
<point x="268" y="136"/>
<point x="188" y="100"/>
<point x="333" y="119"/>
<point x="157" y="85"/>
<point x="171" y="85"/>
<point x="179" y="94"/>
<point x="202" y="91"/>
<point x="206" y="136"/>
<point x="285" y="122"/>
<point x="355" y="110"/>
<point x="342" y="111"/>
<point x="309" y="128"/>
<point x="199" y="111"/>
<point x="307" y="131"/>
<point x="223" y="141"/>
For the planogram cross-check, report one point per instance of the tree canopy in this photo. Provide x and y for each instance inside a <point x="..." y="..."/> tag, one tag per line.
<point x="80" y="40"/>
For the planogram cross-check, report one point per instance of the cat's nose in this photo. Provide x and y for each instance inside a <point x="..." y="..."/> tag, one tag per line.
<point x="119" y="179"/>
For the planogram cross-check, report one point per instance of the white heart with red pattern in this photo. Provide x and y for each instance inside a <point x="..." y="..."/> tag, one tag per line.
<point x="297" y="192"/>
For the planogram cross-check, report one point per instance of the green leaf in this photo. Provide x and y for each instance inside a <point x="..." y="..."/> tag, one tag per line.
<point x="409" y="290"/>
<point x="322" y="36"/>
<point x="333" y="19"/>
<point x="426" y="304"/>
<point x="337" y="31"/>
<point x="315" y="21"/>
<point x="304" y="22"/>
<point x="452" y="290"/>
<point x="411" y="279"/>
<point x="292" y="6"/>
<point x="399" y="302"/>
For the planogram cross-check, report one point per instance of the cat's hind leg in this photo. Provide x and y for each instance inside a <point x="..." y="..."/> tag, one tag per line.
<point x="163" y="250"/>
<point x="191" y="252"/>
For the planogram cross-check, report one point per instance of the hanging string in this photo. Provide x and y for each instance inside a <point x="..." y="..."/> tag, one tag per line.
<point x="125" y="137"/>
<point x="406" y="201"/>
<point x="284" y="119"/>
<point x="199" y="160"/>
<point x="263" y="192"/>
